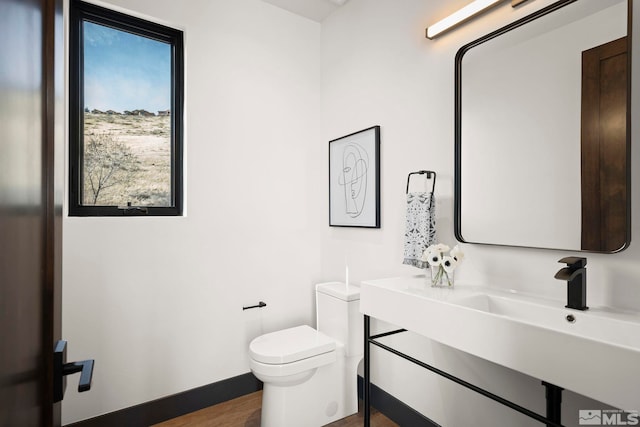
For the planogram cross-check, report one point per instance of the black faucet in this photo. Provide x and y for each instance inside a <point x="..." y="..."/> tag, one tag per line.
<point x="575" y="274"/>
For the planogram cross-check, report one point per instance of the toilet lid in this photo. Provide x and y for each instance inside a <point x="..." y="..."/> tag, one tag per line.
<point x="290" y="345"/>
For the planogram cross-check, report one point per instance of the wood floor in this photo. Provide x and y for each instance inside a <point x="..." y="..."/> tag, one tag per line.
<point x="245" y="412"/>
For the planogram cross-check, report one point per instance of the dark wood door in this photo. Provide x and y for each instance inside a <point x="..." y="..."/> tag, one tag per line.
<point x="605" y="147"/>
<point x="30" y="209"/>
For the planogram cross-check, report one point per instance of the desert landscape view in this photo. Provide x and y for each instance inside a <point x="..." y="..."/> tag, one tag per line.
<point x="127" y="158"/>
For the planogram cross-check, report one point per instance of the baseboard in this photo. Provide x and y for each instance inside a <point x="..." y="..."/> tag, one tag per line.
<point x="394" y="409"/>
<point x="166" y="408"/>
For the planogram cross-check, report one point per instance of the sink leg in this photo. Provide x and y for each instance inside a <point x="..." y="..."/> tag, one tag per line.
<point x="553" y="395"/>
<point x="367" y="373"/>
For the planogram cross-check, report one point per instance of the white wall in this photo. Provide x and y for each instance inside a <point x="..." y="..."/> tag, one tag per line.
<point x="158" y="301"/>
<point x="378" y="69"/>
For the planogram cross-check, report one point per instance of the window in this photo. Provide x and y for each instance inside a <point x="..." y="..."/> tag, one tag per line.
<point x="126" y="104"/>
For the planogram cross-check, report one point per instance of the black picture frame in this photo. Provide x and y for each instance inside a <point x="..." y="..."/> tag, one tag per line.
<point x="354" y="179"/>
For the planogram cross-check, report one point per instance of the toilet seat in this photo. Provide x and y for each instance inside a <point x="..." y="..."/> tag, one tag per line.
<point x="307" y="365"/>
<point x="290" y="345"/>
<point x="291" y="352"/>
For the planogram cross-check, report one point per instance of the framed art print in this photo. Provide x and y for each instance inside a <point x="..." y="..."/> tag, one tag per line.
<point x="354" y="179"/>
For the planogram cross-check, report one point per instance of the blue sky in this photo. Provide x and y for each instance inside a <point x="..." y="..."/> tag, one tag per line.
<point x="123" y="71"/>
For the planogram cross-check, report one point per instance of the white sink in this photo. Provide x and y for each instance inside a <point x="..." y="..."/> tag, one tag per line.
<point x="606" y="325"/>
<point x="595" y="352"/>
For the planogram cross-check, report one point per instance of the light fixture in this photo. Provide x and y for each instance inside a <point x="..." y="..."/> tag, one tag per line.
<point x="467" y="12"/>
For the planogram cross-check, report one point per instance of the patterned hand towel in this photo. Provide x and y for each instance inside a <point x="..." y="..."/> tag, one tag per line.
<point x="421" y="227"/>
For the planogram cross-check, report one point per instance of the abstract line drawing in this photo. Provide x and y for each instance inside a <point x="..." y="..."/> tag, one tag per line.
<point x="353" y="178"/>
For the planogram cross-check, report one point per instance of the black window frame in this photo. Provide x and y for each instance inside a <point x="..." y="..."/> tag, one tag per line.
<point x="80" y="12"/>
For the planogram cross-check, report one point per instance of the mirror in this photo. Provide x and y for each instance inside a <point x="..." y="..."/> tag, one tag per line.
<point x="543" y="131"/>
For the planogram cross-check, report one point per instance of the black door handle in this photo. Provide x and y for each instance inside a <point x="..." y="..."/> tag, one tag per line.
<point x="61" y="369"/>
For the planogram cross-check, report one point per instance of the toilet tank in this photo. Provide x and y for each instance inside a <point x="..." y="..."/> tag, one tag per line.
<point x="338" y="315"/>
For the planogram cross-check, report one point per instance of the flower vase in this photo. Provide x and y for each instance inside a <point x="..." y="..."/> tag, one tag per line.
<point x="440" y="278"/>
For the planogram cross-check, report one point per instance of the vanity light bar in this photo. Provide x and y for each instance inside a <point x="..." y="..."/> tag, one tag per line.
<point x="462" y="15"/>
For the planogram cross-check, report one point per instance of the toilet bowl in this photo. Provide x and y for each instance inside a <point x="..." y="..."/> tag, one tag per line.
<point x="309" y="375"/>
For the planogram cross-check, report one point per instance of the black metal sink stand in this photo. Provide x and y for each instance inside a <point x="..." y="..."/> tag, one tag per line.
<point x="553" y="392"/>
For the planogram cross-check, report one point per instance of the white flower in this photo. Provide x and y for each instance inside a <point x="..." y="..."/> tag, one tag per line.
<point x="442" y="266"/>
<point x="457" y="254"/>
<point x="434" y="258"/>
<point x="441" y="247"/>
<point x="449" y="264"/>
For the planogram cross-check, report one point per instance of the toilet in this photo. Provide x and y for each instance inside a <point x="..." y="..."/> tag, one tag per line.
<point x="309" y="375"/>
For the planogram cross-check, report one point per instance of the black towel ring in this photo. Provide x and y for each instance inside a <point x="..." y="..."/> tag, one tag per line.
<point x="430" y="174"/>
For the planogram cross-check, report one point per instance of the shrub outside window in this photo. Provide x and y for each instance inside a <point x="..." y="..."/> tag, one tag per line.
<point x="126" y="113"/>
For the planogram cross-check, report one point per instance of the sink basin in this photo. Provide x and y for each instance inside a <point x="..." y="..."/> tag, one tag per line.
<point x="595" y="353"/>
<point x="606" y="325"/>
